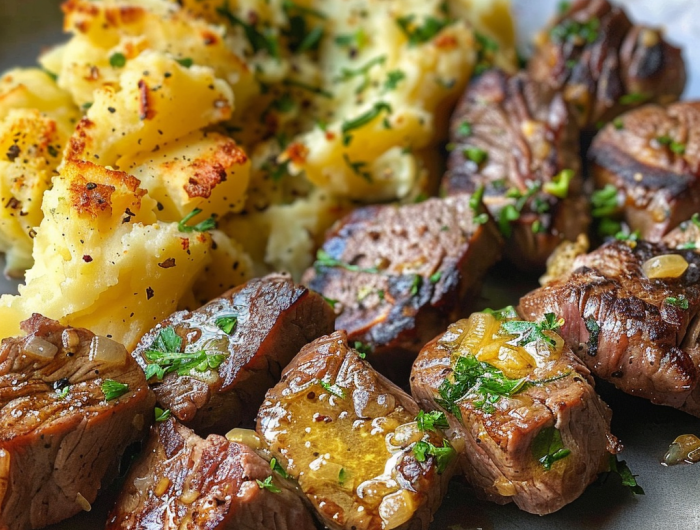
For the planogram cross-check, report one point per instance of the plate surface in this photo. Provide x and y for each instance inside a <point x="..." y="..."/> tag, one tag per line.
<point x="671" y="500"/>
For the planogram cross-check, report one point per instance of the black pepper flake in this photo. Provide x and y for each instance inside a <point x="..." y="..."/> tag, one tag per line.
<point x="159" y="206"/>
<point x="32" y="233"/>
<point x="111" y="109"/>
<point x="170" y="262"/>
<point x="13" y="203"/>
<point x="13" y="152"/>
<point x="87" y="258"/>
<point x="149" y="293"/>
<point x="91" y="185"/>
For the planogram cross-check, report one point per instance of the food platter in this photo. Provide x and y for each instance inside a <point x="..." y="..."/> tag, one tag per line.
<point x="671" y="493"/>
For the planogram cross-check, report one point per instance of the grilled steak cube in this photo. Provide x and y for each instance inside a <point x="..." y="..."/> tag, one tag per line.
<point x="183" y="481"/>
<point x="401" y="273"/>
<point x="631" y="315"/>
<point x="70" y="404"/>
<point x="212" y="366"/>
<point x="350" y="438"/>
<point x="534" y="431"/>
<point x="650" y="156"/>
<point x="517" y="139"/>
<point x="603" y="64"/>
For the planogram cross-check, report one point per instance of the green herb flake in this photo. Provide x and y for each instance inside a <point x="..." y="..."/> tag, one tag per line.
<point x="357" y="40"/>
<point x="393" y="78"/>
<point x="695" y="219"/>
<point x="332" y="389"/>
<point x="548" y="447"/>
<point x="506" y="313"/>
<point x="323" y="259"/>
<point x="63" y="392"/>
<point x="358" y="168"/>
<point x="309" y="88"/>
<point x="113" y="389"/>
<point x="537" y="227"/>
<point x="435" y="277"/>
<point x="186" y="62"/>
<point x="342" y="476"/>
<point x="465" y="129"/>
<point x="604" y="201"/>
<point x="576" y="32"/>
<point x="618" y="124"/>
<point x="690" y="245"/>
<point x="362" y="349"/>
<point x="533" y="331"/>
<point x="432" y="421"/>
<point x="634" y="98"/>
<point x="628" y="479"/>
<point x="593" y="332"/>
<point x="681" y="302"/>
<point x="443" y="455"/>
<point x="226" y="323"/>
<point x="258" y="41"/>
<point x="162" y="415"/>
<point x="330" y="301"/>
<point x="476" y="155"/>
<point x="203" y="226"/>
<point x="416" y="284"/>
<point x="347" y="74"/>
<point x="277" y="468"/>
<point x="364" y="119"/>
<point x="117" y="60"/>
<point x="419" y="34"/>
<point x="268" y="485"/>
<point x="559" y="187"/>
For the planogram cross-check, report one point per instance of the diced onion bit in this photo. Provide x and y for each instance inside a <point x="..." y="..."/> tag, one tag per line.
<point x="244" y="436"/>
<point x="106" y="350"/>
<point x="39" y="347"/>
<point x="396" y="509"/>
<point x="666" y="266"/>
<point x="83" y="502"/>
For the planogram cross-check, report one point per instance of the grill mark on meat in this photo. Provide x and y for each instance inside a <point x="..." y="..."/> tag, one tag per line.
<point x="642" y="346"/>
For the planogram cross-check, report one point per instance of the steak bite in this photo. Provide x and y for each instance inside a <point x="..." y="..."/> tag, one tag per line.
<point x="350" y="437"/>
<point x="401" y="273"/>
<point x="631" y="315"/>
<point x="212" y="366"/>
<point x="535" y="432"/>
<point x="70" y="404"/>
<point x="183" y="481"/>
<point x="603" y="64"/>
<point x="516" y="139"/>
<point x="651" y="156"/>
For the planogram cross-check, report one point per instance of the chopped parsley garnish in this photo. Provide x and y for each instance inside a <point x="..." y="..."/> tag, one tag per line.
<point x="358" y="168"/>
<point x="511" y="212"/>
<point x="364" y="119"/>
<point x="443" y="455"/>
<point x="593" y="332"/>
<point x="571" y="30"/>
<point x="618" y="124"/>
<point x="476" y="155"/>
<point x="203" y="226"/>
<point x="435" y="277"/>
<point x="63" y="392"/>
<point x="432" y="421"/>
<point x="623" y="235"/>
<point x="289" y="4"/>
<point x="695" y="219"/>
<point x="604" y="201"/>
<point x="330" y="301"/>
<point x="347" y="74"/>
<point x="680" y="302"/>
<point x="563" y="7"/>
<point x="277" y="468"/>
<point x="323" y="259"/>
<point x="276" y="170"/>
<point x="117" y="60"/>
<point x="226" y="323"/>
<point x="416" y="284"/>
<point x="633" y="98"/>
<point x="309" y="88"/>
<point x="478" y="381"/>
<point x="258" y="41"/>
<point x="628" y="479"/>
<point x="186" y="62"/>
<point x="690" y="245"/>
<point x="506" y="313"/>
<point x="537" y="227"/>
<point x="356" y="40"/>
<point x="508" y="214"/>
<point x="393" y="79"/>
<point x="420" y="34"/>
<point x="164" y="357"/>
<point x="559" y="187"/>
<point x="332" y="389"/>
<point x="54" y="77"/>
<point x="547" y="447"/>
<point x="268" y="485"/>
<point x="464" y="129"/>
<point x="533" y="331"/>
<point x="485" y="51"/>
<point x="301" y="38"/>
<point x="162" y="415"/>
<point x="676" y="147"/>
<point x="362" y="349"/>
<point x="342" y="475"/>
<point x="476" y="206"/>
<point x="113" y="389"/>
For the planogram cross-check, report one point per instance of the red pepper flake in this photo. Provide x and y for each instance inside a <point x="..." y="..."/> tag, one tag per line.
<point x="446" y="42"/>
<point x="297" y="153"/>
<point x="185" y="242"/>
<point x="87" y="258"/>
<point x="149" y="293"/>
<point x="330" y="136"/>
<point x="145" y="110"/>
<point x="170" y="262"/>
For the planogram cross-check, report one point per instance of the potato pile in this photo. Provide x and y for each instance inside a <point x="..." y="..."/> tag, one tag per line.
<point x="169" y="151"/>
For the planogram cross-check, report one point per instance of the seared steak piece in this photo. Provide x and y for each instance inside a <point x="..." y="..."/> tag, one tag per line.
<point x="517" y="139"/>
<point x="401" y="273"/>
<point x="70" y="404"/>
<point x="652" y="157"/>
<point x="183" y="481"/>
<point x="350" y="437"/>
<point x="603" y="64"/>
<point x="535" y="432"/>
<point x="212" y="366"/>
<point x="634" y="322"/>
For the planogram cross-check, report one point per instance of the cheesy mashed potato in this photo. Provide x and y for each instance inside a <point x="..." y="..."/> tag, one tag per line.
<point x="170" y="150"/>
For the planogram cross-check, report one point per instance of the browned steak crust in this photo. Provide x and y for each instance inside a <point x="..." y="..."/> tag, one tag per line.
<point x="61" y="439"/>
